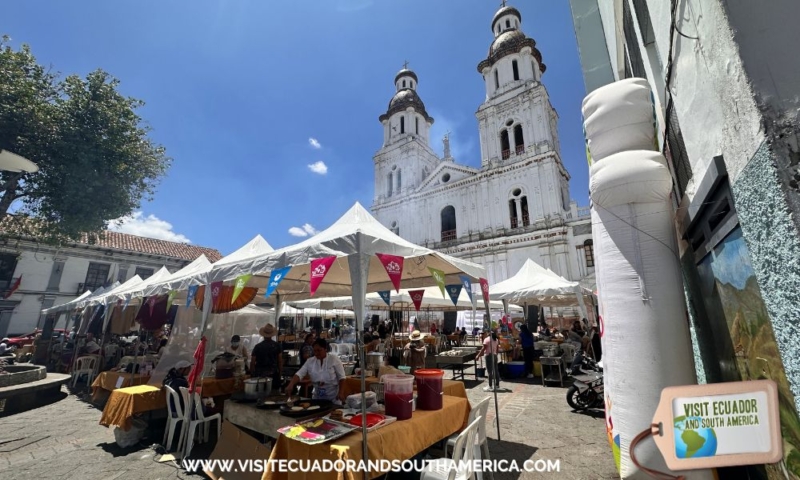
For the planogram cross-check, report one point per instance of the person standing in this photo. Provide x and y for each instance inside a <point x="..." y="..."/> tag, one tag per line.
<point x="526" y="341"/>
<point x="267" y="358"/>
<point x="326" y="372"/>
<point x="307" y="351"/>
<point x="490" y="347"/>
<point x="415" y="351"/>
<point x="239" y="350"/>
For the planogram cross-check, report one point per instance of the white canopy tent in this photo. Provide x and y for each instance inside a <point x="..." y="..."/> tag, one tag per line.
<point x="67" y="306"/>
<point x="534" y="284"/>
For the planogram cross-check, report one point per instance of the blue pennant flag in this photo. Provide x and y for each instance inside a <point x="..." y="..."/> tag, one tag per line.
<point x="454" y="291"/>
<point x="191" y="294"/>
<point x="386" y="295"/>
<point x="275" y="279"/>
<point x="468" y="286"/>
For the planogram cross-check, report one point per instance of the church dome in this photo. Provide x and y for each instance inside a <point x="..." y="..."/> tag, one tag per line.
<point x="507" y="10"/>
<point x="507" y="43"/>
<point x="403" y="99"/>
<point x="405" y="73"/>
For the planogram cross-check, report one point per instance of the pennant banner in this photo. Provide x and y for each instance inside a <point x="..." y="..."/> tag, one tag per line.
<point x="467" y="286"/>
<point x="170" y="298"/>
<point x="386" y="295"/>
<point x="416" y="297"/>
<point x="454" y="291"/>
<point x="485" y="290"/>
<point x="216" y="289"/>
<point x="191" y="294"/>
<point x="438" y="275"/>
<point x="152" y="303"/>
<point x="275" y="279"/>
<point x="394" y="268"/>
<point x="241" y="282"/>
<point x="320" y="268"/>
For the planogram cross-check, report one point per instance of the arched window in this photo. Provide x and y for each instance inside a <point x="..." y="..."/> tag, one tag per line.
<point x="516" y="69"/>
<point x="389" y="185"/>
<point x="399" y="181"/>
<point x="496" y="79"/>
<point x="526" y="218"/>
<point x="508" y="23"/>
<point x="416" y="124"/>
<point x="504" y="144"/>
<point x="533" y="69"/>
<point x="512" y="211"/>
<point x="588" y="253"/>
<point x="402" y="124"/>
<point x="448" y="223"/>
<point x="519" y="141"/>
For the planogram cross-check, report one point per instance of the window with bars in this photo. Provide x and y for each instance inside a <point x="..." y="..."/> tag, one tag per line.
<point x="675" y="151"/>
<point x="632" y="43"/>
<point x="588" y="253"/>
<point x="96" y="276"/>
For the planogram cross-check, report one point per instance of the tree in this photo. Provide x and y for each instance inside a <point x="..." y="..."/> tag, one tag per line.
<point x="96" y="162"/>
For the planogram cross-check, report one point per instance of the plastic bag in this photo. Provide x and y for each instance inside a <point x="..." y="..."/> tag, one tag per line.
<point x="131" y="437"/>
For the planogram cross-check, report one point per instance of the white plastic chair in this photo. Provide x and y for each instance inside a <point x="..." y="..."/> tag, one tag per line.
<point x="198" y="419"/>
<point x="174" y="417"/>
<point x="463" y="455"/>
<point x="481" y="443"/>
<point x="84" y="366"/>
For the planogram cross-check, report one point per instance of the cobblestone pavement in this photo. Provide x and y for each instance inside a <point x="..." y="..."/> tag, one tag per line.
<point x="64" y="440"/>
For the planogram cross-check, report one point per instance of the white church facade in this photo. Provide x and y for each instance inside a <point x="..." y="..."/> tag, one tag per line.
<point x="516" y="205"/>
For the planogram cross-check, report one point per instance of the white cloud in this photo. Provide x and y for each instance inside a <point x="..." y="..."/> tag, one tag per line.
<point x="461" y="144"/>
<point x="303" y="231"/>
<point x="314" y="143"/>
<point x="319" y="167"/>
<point x="148" y="226"/>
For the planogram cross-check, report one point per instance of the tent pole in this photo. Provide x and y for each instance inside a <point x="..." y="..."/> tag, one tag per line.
<point x="494" y="367"/>
<point x="359" y="273"/>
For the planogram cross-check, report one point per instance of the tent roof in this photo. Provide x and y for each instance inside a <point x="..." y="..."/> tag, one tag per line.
<point x="135" y="290"/>
<point x="201" y="264"/>
<point x="535" y="284"/>
<point x="67" y="305"/>
<point x="356" y="232"/>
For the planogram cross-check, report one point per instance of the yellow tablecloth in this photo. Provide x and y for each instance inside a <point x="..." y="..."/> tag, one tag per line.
<point x="124" y="403"/>
<point x="106" y="382"/>
<point x="399" y="441"/>
<point x="454" y="388"/>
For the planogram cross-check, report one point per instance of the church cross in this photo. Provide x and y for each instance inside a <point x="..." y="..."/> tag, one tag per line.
<point x="503" y="3"/>
<point x="405" y="65"/>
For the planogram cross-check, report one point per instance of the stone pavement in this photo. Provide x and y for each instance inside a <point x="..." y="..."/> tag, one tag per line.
<point x="64" y="440"/>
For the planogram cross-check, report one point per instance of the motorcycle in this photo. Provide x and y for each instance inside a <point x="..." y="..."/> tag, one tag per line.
<point x="587" y="390"/>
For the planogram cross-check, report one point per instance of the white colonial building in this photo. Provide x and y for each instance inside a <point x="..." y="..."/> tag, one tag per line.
<point x="517" y="205"/>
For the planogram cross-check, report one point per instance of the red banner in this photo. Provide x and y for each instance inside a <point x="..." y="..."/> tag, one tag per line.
<point x="485" y="289"/>
<point x="394" y="268"/>
<point x="216" y="289"/>
<point x="319" y="268"/>
<point x="416" y="297"/>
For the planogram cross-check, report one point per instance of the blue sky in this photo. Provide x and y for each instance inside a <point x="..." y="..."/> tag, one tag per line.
<point x="236" y="88"/>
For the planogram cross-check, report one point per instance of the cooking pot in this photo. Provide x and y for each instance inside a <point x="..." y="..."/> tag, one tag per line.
<point x="255" y="387"/>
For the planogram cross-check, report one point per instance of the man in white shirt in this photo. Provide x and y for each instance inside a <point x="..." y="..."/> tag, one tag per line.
<point x="326" y="372"/>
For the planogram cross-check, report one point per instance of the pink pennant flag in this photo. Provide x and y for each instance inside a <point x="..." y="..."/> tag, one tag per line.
<point x="416" y="297"/>
<point x="394" y="267"/>
<point x="485" y="289"/>
<point x="216" y="289"/>
<point x="320" y="268"/>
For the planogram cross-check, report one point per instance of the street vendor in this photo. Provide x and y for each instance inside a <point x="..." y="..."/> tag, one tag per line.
<point x="326" y="372"/>
<point x="415" y="351"/>
<point x="266" y="360"/>
<point x="239" y="350"/>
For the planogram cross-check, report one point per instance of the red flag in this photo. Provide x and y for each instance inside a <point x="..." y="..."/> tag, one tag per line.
<point x="199" y="363"/>
<point x="13" y="288"/>
<point x="216" y="288"/>
<point x="416" y="297"/>
<point x="320" y="268"/>
<point x="394" y="267"/>
<point x="485" y="289"/>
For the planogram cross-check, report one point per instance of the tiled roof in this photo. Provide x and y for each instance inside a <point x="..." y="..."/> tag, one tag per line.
<point x="121" y="241"/>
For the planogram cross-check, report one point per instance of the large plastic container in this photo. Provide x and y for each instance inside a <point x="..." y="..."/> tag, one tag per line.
<point x="398" y="395"/>
<point x="429" y="388"/>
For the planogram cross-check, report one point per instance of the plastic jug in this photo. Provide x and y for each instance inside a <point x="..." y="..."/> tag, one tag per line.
<point x="429" y="388"/>
<point x="398" y="395"/>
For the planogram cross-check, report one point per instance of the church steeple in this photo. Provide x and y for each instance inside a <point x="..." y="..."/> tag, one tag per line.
<point x="406" y="116"/>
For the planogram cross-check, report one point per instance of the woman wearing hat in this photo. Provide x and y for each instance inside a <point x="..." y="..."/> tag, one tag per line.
<point x="267" y="357"/>
<point x="415" y="351"/>
<point x="326" y="372"/>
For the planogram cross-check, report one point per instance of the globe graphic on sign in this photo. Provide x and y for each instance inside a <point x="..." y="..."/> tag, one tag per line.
<point x="694" y="442"/>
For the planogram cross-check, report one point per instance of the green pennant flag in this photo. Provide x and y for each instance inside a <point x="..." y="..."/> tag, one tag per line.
<point x="241" y="282"/>
<point x="170" y="298"/>
<point x="438" y="275"/>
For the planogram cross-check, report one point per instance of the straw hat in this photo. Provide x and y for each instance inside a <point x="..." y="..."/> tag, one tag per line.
<point x="415" y="335"/>
<point x="267" y="331"/>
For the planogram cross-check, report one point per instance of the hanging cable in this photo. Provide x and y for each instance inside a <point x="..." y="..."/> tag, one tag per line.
<point x="655" y="429"/>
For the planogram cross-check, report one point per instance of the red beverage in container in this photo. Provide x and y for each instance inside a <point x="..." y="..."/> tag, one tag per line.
<point x="429" y="388"/>
<point x="398" y="395"/>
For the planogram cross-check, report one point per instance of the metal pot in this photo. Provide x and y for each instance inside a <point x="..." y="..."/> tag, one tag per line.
<point x="251" y="387"/>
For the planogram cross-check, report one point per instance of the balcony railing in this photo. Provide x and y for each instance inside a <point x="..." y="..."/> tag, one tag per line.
<point x="584" y="212"/>
<point x="506" y="154"/>
<point x="520" y="149"/>
<point x="525" y="220"/>
<point x="448" y="235"/>
<point x="514" y="222"/>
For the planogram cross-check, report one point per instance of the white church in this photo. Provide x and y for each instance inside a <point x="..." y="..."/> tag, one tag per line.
<point x="517" y="205"/>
